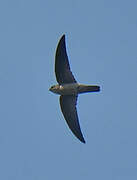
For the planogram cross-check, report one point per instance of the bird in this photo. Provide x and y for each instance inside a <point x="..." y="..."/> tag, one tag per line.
<point x="69" y="89"/>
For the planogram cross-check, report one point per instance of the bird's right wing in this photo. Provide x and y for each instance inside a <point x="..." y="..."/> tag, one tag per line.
<point x="62" y="67"/>
<point x="68" y="107"/>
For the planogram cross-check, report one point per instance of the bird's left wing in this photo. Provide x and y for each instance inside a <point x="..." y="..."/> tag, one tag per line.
<point x="68" y="107"/>
<point x="62" y="67"/>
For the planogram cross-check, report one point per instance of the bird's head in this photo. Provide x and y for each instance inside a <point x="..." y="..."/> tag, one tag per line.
<point x="54" y="89"/>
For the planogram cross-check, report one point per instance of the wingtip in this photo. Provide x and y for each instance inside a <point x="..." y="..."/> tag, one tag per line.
<point x="80" y="137"/>
<point x="61" y="41"/>
<point x="83" y="140"/>
<point x="62" y="37"/>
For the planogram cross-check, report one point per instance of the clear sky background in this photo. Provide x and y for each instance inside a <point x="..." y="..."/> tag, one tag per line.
<point x="101" y="38"/>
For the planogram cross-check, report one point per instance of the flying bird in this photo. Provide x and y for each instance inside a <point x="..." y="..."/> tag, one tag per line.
<point x="68" y="89"/>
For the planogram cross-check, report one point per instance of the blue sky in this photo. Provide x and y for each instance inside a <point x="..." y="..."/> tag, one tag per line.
<point x="101" y="38"/>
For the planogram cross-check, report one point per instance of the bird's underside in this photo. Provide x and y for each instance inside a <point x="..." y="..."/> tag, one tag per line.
<point x="73" y="89"/>
<point x="65" y="76"/>
<point x="69" y="89"/>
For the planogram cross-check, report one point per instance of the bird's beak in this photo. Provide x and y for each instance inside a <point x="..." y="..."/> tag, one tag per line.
<point x="49" y="89"/>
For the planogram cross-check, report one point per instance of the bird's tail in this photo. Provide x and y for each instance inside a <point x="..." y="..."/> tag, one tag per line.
<point x="87" y="88"/>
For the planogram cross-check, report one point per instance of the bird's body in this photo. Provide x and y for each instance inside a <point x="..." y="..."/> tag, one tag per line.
<point x="65" y="89"/>
<point x="73" y="89"/>
<point x="68" y="89"/>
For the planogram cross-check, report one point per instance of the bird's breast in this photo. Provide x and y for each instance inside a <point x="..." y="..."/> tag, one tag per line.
<point x="68" y="89"/>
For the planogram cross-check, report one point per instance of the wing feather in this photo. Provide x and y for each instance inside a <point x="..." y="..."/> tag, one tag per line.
<point x="62" y="67"/>
<point x="68" y="107"/>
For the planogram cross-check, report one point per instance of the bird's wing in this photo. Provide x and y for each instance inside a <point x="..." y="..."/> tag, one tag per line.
<point x="62" y="68"/>
<point x="68" y="107"/>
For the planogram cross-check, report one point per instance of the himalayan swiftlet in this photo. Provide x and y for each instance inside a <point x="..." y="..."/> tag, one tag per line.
<point x="68" y="89"/>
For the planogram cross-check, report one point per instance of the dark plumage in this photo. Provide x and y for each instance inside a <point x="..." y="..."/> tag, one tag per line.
<point x="69" y="89"/>
<point x="62" y="68"/>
